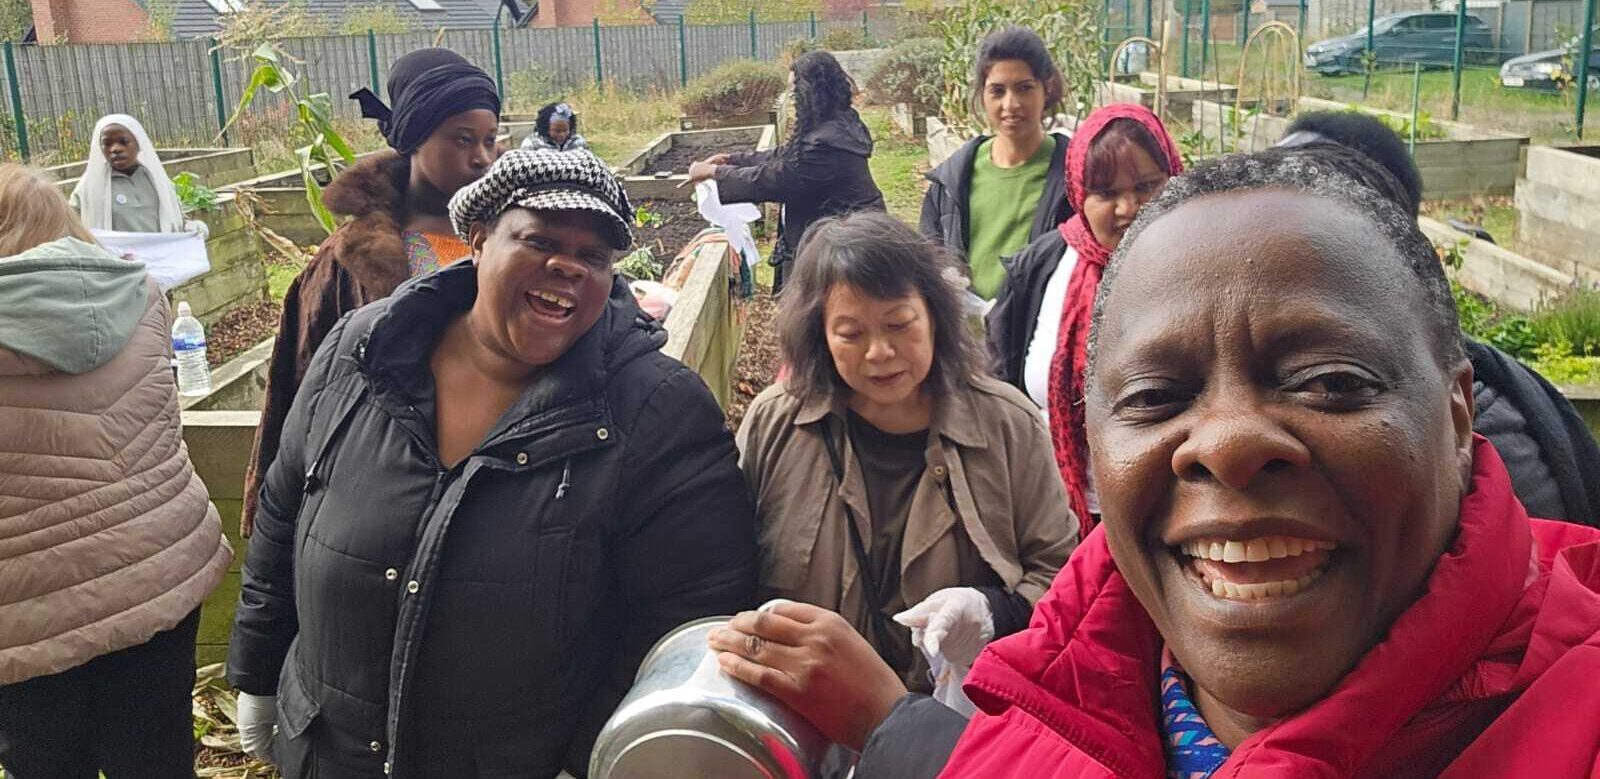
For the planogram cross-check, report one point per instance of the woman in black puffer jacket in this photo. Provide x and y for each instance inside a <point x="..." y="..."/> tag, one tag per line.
<point x="494" y="495"/>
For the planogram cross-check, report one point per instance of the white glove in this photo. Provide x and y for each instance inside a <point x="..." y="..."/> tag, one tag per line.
<point x="258" y="723"/>
<point x="954" y="622"/>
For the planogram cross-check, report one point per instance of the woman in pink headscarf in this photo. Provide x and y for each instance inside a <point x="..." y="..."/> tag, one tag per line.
<point x="1120" y="157"/>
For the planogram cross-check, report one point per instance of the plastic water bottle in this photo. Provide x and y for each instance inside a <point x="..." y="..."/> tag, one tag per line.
<point x="189" y="346"/>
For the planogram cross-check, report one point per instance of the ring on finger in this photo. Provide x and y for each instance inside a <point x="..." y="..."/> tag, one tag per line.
<point x="752" y="646"/>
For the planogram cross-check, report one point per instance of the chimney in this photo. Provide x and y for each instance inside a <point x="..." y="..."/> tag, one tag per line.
<point x="51" y="19"/>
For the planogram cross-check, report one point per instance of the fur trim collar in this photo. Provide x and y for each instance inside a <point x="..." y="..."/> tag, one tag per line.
<point x="369" y="247"/>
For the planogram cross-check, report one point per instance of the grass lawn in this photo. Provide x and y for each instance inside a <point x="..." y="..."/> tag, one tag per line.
<point x="898" y="163"/>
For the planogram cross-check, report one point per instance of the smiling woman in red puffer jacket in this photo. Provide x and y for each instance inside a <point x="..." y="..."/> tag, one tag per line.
<point x="108" y="542"/>
<point x="1308" y="565"/>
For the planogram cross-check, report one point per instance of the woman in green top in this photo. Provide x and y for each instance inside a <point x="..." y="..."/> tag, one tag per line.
<point x="997" y="193"/>
<point x="124" y="187"/>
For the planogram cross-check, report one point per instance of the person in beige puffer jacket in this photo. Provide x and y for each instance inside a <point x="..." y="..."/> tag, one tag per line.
<point x="108" y="540"/>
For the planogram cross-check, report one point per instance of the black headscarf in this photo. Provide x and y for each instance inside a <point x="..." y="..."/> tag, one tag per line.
<point x="427" y="86"/>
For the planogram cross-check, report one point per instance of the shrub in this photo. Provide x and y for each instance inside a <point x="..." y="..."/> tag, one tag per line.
<point x="530" y="89"/>
<point x="793" y="49"/>
<point x="909" y="73"/>
<point x="736" y="88"/>
<point x="380" y="19"/>
<point x="738" y="11"/>
<point x="844" y="39"/>
<point x="1574" y="319"/>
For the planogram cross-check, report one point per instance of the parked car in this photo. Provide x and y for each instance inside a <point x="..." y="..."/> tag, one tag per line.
<point x="1538" y="70"/>
<point x="1401" y="39"/>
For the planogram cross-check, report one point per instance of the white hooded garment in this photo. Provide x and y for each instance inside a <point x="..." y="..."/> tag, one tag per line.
<point x="93" y="193"/>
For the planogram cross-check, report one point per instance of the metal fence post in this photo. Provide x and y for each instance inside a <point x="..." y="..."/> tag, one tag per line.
<point x="1368" y="63"/>
<point x="813" y="25"/>
<point x="1455" y="70"/>
<point x="372" y="61"/>
<point x="599" y="66"/>
<point x="1244" y="26"/>
<point x="499" y="66"/>
<point x="1302" y="28"/>
<point x="1127" y="19"/>
<point x="1585" y="47"/>
<point x="216" y="88"/>
<point x="1205" y="36"/>
<point x="866" y="29"/>
<point x="17" y="113"/>
<point x="1184" y="71"/>
<point x="683" y="53"/>
<point x="1150" y="19"/>
<point x="1416" y="99"/>
<point x="1105" y="33"/>
<point x="754" y="53"/>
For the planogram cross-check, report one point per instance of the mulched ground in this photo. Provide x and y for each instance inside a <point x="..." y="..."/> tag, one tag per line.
<point x="240" y="330"/>
<point x="680" y="222"/>
<point x="757" y="367"/>
<point x="690" y="148"/>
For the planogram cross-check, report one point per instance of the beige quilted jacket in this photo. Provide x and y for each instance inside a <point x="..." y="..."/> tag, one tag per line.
<point x="107" y="536"/>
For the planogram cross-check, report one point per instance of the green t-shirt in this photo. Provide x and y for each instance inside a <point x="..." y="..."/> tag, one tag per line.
<point x="1000" y="211"/>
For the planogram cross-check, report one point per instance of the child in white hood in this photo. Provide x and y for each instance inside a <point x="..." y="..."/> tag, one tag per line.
<point x="124" y="187"/>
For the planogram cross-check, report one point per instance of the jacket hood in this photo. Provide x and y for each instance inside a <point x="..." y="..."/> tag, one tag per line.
<point x="372" y="193"/>
<point x="69" y="305"/>
<point x="1509" y="599"/>
<point x="844" y="131"/>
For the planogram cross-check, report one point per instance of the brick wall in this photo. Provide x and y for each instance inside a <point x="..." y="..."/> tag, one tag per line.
<point x="90" y="21"/>
<point x="565" y="13"/>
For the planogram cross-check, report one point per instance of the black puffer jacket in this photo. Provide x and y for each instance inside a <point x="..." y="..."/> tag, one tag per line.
<point x="485" y="619"/>
<point x="1009" y="325"/>
<point x="821" y="173"/>
<point x="944" y="205"/>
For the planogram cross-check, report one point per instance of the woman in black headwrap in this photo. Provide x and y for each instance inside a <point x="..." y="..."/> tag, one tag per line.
<point x="441" y="128"/>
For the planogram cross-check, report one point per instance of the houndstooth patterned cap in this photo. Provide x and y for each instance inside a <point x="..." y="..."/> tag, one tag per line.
<point x="545" y="180"/>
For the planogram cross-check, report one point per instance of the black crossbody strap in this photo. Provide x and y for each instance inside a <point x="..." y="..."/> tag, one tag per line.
<point x="869" y="578"/>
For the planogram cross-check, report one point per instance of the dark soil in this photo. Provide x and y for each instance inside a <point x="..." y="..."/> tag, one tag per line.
<point x="680" y="222"/>
<point x="240" y="330"/>
<point x="758" y="361"/>
<point x="691" y="148"/>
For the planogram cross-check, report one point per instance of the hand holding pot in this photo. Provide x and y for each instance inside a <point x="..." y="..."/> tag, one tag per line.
<point x="815" y="663"/>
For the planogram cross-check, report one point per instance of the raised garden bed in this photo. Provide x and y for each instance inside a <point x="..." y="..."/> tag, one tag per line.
<point x="1181" y="92"/>
<point x="215" y="167"/>
<point x="1457" y="161"/>
<point x="668" y="225"/>
<point x="1558" y="202"/>
<point x="659" y="169"/>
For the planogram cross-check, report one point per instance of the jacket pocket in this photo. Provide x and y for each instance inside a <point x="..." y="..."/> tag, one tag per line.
<point x="296" y="708"/>
<point x="552" y="578"/>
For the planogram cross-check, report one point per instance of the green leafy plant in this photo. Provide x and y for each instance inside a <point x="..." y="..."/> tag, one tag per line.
<point x="1070" y="29"/>
<point x="314" y="113"/>
<point x="193" y="194"/>
<point x="735" y="88"/>
<point x="1555" y="361"/>
<point x="378" y="17"/>
<point x="644" y="217"/>
<point x="738" y="11"/>
<point x="533" y="87"/>
<point x="909" y="74"/>
<point x="640" y="265"/>
<point x="1573" y="318"/>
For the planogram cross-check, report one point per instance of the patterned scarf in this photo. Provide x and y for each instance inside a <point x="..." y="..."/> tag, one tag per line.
<point x="1193" y="751"/>
<point x="1067" y="365"/>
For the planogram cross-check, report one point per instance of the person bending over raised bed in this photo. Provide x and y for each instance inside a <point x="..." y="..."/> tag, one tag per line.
<point x="821" y="171"/>
<point x="1038" y="329"/>
<point x="108" y="540"/>
<point x="1308" y="565"/>
<point x="998" y="193"/>
<point x="441" y="132"/>
<point x="124" y="186"/>
<point x="494" y="495"/>
<point x="1548" y="450"/>
<point x="555" y="128"/>
<point x="887" y="425"/>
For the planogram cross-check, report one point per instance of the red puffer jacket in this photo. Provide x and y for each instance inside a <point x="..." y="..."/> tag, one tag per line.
<point x="1494" y="671"/>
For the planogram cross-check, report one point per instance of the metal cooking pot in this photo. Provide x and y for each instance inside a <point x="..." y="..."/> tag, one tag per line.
<point x="685" y="718"/>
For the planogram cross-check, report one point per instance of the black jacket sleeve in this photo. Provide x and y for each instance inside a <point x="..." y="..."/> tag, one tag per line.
<point x="749" y="158"/>
<point x="930" y="224"/>
<point x="686" y="547"/>
<point x="264" y="622"/>
<point x="782" y="176"/>
<point x="914" y="742"/>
